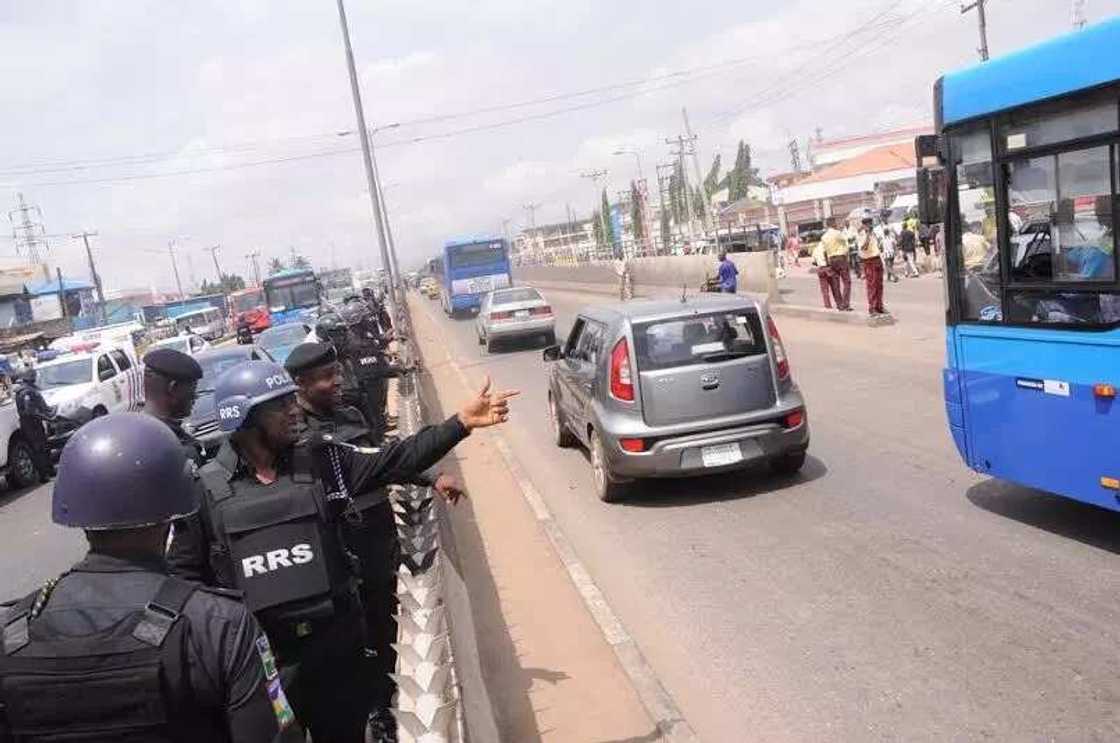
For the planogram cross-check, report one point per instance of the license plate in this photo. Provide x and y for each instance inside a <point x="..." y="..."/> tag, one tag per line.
<point x="521" y="313"/>
<point x="721" y="455"/>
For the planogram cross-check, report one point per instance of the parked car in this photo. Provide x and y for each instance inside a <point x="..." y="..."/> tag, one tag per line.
<point x="202" y="423"/>
<point x="280" y="340"/>
<point x="665" y="388"/>
<point x="509" y="314"/>
<point x="188" y="344"/>
<point x="104" y="380"/>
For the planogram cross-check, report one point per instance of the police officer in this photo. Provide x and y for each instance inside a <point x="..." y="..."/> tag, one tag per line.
<point x="270" y="524"/>
<point x="170" y="387"/>
<point x="33" y="414"/>
<point x="365" y="354"/>
<point x="332" y="329"/>
<point x="116" y="649"/>
<point x="372" y="534"/>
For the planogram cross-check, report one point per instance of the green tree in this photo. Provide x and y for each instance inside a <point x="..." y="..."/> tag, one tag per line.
<point x="597" y="229"/>
<point x="275" y="266"/>
<point x="229" y="283"/>
<point x="712" y="180"/>
<point x="699" y="203"/>
<point x="666" y="230"/>
<point x="636" y="212"/>
<point x="743" y="175"/>
<point x="608" y="226"/>
<point x="299" y="262"/>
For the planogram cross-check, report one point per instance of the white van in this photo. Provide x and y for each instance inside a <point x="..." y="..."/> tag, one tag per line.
<point x="210" y="323"/>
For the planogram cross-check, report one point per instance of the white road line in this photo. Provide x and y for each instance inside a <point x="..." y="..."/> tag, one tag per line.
<point x="655" y="698"/>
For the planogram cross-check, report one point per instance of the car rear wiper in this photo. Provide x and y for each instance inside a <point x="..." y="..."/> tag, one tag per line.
<point x="724" y="355"/>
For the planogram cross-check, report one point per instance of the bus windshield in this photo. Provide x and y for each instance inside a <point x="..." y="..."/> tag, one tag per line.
<point x="292" y="294"/>
<point x="247" y="301"/>
<point x="475" y="255"/>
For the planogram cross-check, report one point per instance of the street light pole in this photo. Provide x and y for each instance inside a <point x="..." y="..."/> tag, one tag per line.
<point x="214" y="254"/>
<point x="175" y="268"/>
<point x="367" y="156"/>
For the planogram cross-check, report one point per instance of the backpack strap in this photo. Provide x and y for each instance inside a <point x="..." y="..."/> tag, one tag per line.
<point x="163" y="610"/>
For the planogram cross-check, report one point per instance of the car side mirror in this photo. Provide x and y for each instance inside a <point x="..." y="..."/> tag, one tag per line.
<point x="553" y="353"/>
<point x="931" y="195"/>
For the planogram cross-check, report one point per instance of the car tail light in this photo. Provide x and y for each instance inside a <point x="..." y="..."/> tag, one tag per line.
<point x="546" y="310"/>
<point x="795" y="419"/>
<point x="501" y="315"/>
<point x="634" y="446"/>
<point x="622" y="386"/>
<point x="781" y="361"/>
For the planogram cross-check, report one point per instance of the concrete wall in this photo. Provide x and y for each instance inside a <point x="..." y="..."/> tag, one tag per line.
<point x="756" y="272"/>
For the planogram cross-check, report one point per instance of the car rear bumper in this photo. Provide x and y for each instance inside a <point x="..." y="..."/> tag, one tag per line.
<point x="519" y="328"/>
<point x="677" y="456"/>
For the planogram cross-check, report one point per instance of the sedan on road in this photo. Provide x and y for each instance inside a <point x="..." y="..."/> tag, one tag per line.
<point x="508" y="314"/>
<point x="675" y="388"/>
<point x="280" y="340"/>
<point x="202" y="423"/>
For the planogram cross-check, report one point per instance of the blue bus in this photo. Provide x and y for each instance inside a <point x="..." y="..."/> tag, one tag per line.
<point x="1022" y="174"/>
<point x="471" y="267"/>
<point x="291" y="296"/>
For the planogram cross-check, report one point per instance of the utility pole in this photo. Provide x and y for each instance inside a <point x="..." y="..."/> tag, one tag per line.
<point x="214" y="254"/>
<point x="662" y="187"/>
<point x="175" y="268"/>
<point x="85" y="236"/>
<point x="594" y="176"/>
<point x="692" y="138"/>
<point x="683" y="144"/>
<point x="367" y="158"/>
<point x="30" y="235"/>
<point x="256" y="266"/>
<point x="396" y="272"/>
<point x="531" y="209"/>
<point x="982" y="21"/>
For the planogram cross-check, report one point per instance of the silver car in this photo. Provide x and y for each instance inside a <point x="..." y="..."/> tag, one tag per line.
<point x="670" y="388"/>
<point x="515" y="313"/>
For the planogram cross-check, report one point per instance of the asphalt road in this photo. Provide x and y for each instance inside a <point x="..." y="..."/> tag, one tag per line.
<point x="888" y="593"/>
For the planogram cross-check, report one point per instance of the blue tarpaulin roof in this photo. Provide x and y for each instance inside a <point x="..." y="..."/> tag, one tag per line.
<point x="51" y="287"/>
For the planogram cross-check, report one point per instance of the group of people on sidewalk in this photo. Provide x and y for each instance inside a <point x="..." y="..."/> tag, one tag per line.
<point x="870" y="250"/>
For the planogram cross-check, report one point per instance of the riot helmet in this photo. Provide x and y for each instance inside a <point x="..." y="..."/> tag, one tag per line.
<point x="245" y="386"/>
<point x="123" y="471"/>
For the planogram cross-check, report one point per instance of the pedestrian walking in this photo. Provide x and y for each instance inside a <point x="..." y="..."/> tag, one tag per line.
<point x="825" y="277"/>
<point x="853" y="251"/>
<point x="34" y="414"/>
<point x="270" y="525"/>
<point x="888" y="245"/>
<point x="924" y="239"/>
<point x="907" y="245"/>
<point x="938" y="248"/>
<point x="114" y="648"/>
<point x="836" y="251"/>
<point x="793" y="249"/>
<point x="728" y="274"/>
<point x="872" y="257"/>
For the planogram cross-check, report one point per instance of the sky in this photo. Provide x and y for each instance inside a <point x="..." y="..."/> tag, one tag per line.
<point x="230" y="122"/>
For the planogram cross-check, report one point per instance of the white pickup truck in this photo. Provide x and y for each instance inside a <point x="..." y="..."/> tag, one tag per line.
<point x="104" y="380"/>
<point x="15" y="457"/>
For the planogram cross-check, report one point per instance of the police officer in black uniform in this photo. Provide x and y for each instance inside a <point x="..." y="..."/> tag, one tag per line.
<point x="33" y="414"/>
<point x="365" y="354"/>
<point x="115" y="649"/>
<point x="270" y="524"/>
<point x="170" y="387"/>
<point x="371" y="533"/>
<point x="332" y="329"/>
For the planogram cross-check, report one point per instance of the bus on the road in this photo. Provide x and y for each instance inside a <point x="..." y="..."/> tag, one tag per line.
<point x="291" y="295"/>
<point x="471" y="267"/>
<point x="1026" y="189"/>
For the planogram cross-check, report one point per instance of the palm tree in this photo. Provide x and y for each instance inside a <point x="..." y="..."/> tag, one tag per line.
<point x="300" y="262"/>
<point x="275" y="266"/>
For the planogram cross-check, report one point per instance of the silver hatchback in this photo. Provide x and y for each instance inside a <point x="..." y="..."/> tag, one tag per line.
<point x="675" y="388"/>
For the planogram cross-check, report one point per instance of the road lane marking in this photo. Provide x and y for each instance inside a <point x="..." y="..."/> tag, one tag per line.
<point x="659" y="704"/>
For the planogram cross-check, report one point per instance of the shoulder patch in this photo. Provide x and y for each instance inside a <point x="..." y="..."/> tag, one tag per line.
<point x="280" y="706"/>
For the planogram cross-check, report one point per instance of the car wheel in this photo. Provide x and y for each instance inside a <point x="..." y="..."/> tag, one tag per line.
<point x="491" y="344"/>
<point x="99" y="411"/>
<point x="21" y="466"/>
<point x="606" y="488"/>
<point x="789" y="463"/>
<point x="481" y="340"/>
<point x="550" y="338"/>
<point x="561" y="436"/>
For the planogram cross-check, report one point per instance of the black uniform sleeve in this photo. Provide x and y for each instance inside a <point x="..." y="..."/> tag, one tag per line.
<point x="39" y="405"/>
<point x="403" y="461"/>
<point x="188" y="557"/>
<point x="256" y="707"/>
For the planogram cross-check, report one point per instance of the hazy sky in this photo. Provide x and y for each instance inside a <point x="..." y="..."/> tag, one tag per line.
<point x="150" y="120"/>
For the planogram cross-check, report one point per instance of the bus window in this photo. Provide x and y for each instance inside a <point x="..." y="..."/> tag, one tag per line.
<point x="977" y="240"/>
<point x="1056" y="123"/>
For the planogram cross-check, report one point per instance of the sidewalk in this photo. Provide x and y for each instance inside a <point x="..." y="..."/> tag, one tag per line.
<point x="550" y="673"/>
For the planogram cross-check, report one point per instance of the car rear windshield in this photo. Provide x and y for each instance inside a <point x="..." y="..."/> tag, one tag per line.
<point x="698" y="339"/>
<point x="515" y="295"/>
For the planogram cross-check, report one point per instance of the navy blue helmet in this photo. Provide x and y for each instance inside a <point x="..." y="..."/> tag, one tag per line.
<point x="123" y="471"/>
<point x="245" y="386"/>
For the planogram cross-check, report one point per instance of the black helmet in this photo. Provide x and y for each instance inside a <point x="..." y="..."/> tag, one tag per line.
<point x="328" y="325"/>
<point x="123" y="471"/>
<point x="353" y="313"/>
<point x="245" y="386"/>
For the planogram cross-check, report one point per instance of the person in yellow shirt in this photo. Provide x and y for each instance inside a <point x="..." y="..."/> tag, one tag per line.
<point x="871" y="256"/>
<point x="836" y="251"/>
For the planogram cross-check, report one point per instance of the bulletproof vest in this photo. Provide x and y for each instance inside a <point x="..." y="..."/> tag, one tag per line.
<point x="280" y="545"/>
<point x="368" y="359"/>
<point x="110" y="685"/>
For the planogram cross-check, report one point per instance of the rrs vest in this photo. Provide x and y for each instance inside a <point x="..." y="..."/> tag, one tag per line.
<point x="111" y="685"/>
<point x="367" y="358"/>
<point x="279" y="545"/>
